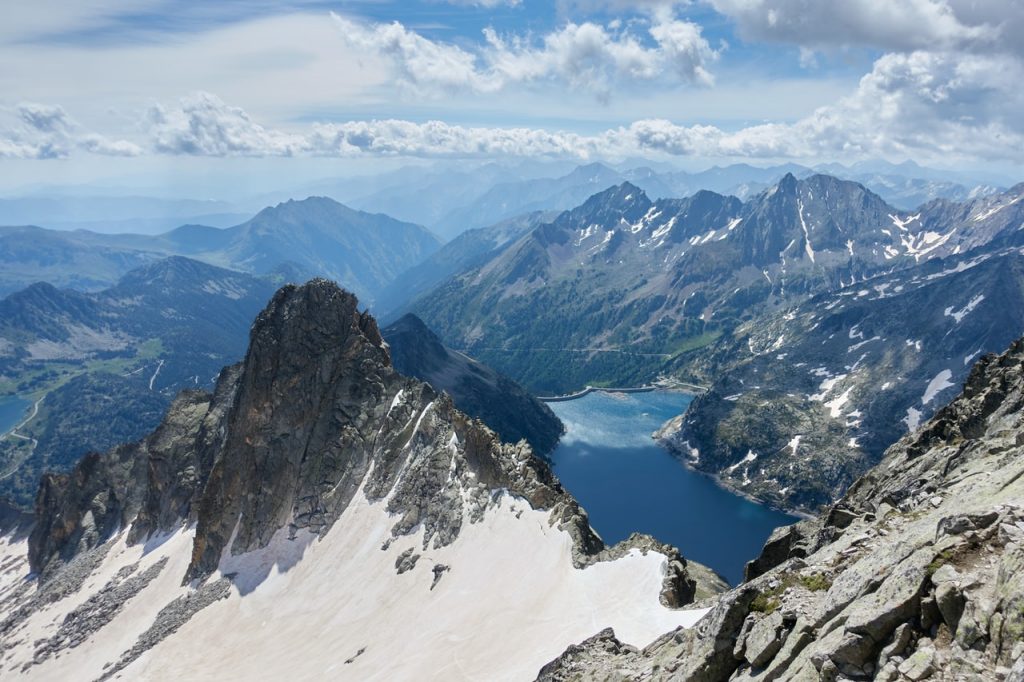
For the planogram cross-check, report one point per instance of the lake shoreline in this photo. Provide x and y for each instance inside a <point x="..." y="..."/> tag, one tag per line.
<point x="681" y="387"/>
<point x="801" y="514"/>
<point x="629" y="482"/>
<point x="15" y="421"/>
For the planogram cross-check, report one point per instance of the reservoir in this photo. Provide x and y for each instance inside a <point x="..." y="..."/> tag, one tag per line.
<point x="627" y="483"/>
<point x="12" y="411"/>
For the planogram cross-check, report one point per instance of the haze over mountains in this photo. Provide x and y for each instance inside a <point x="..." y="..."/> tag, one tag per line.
<point x="297" y="239"/>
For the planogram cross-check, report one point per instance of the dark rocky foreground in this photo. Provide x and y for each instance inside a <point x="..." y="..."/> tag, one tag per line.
<point x="915" y="574"/>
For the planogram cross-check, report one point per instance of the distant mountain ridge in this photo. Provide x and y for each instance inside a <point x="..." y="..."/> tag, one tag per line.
<point x="450" y="201"/>
<point x="313" y="237"/>
<point x="465" y="251"/>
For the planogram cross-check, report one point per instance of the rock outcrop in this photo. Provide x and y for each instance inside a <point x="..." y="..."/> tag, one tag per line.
<point x="914" y="574"/>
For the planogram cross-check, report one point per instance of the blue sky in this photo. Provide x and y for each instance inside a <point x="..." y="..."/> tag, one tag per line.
<point x="116" y="88"/>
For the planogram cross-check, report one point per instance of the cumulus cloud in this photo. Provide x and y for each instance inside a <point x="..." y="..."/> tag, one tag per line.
<point x="922" y="105"/>
<point x="203" y="125"/>
<point x="44" y="131"/>
<point x="436" y="138"/>
<point x="584" y="56"/>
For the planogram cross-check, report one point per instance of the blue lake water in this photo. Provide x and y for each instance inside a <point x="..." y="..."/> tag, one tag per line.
<point x="12" y="411"/>
<point x="628" y="483"/>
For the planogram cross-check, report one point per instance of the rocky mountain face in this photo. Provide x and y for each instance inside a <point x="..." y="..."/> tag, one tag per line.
<point x="466" y="251"/>
<point x="914" y="574"/>
<point x="621" y="286"/>
<point x="316" y="236"/>
<point x="476" y="389"/>
<point x="804" y="402"/>
<point x="314" y="461"/>
<point x="104" y="366"/>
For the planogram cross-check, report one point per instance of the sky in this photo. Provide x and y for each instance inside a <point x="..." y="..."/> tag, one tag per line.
<point x="118" y="92"/>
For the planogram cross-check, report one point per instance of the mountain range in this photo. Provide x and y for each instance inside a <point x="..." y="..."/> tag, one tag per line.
<point x="313" y="460"/>
<point x="450" y="201"/>
<point x="295" y="239"/>
<point x="796" y="306"/>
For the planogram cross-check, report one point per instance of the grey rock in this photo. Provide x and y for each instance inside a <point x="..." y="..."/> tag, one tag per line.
<point x="920" y="665"/>
<point x="406" y="561"/>
<point x="597" y="658"/>
<point x="169" y="619"/>
<point x="98" y="610"/>
<point x="897" y="644"/>
<point x="439" y="570"/>
<point x="950" y="601"/>
<point x="765" y="639"/>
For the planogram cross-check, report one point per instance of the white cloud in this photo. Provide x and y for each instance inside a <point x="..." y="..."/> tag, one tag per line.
<point x="43" y="131"/>
<point x="203" y="125"/>
<point x="920" y="105"/>
<point x="436" y="138"/>
<point x="901" y="25"/>
<point x="585" y="56"/>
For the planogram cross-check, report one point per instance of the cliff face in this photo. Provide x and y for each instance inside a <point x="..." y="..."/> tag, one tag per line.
<point x="315" y="446"/>
<point x="914" y="574"/>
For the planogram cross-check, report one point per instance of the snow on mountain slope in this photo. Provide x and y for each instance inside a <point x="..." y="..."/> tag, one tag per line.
<point x="319" y="516"/>
<point x="510" y="601"/>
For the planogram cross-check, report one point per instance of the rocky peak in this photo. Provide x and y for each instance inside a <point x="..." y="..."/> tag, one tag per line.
<point x="624" y="202"/>
<point x="787" y="185"/>
<point x="314" y="416"/>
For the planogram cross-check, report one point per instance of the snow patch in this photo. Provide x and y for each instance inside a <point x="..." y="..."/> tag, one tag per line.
<point x="939" y="383"/>
<point x="959" y="315"/>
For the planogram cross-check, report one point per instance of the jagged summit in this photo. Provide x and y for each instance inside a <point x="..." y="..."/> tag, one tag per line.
<point x="313" y="460"/>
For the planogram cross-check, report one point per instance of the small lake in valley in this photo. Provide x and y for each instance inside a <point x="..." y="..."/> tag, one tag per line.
<point x="12" y="411"/>
<point x="627" y="483"/>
